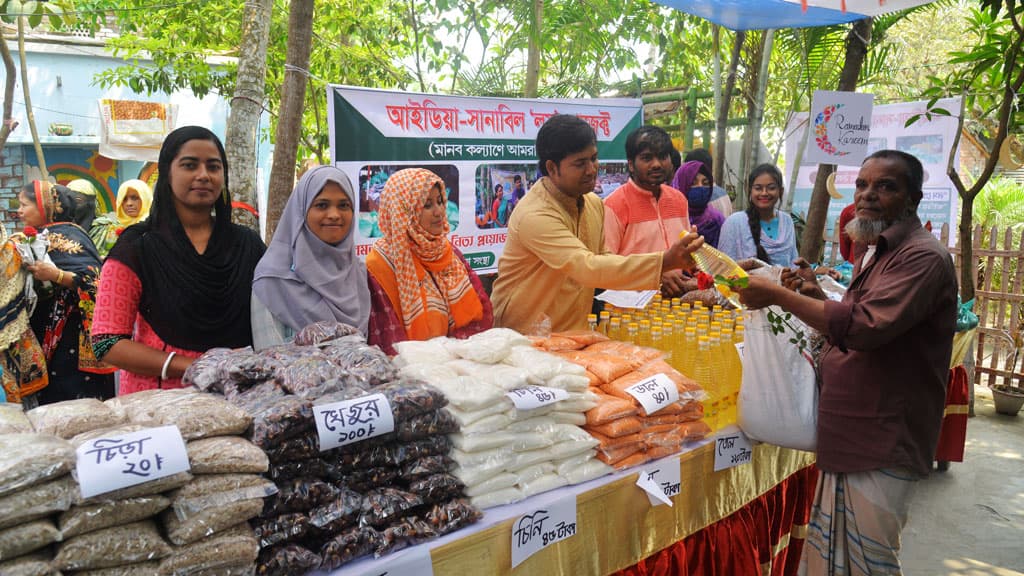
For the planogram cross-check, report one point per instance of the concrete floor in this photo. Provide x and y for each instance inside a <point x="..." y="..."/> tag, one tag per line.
<point x="969" y="521"/>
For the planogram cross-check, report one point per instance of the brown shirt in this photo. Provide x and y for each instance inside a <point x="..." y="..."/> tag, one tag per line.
<point x="886" y="366"/>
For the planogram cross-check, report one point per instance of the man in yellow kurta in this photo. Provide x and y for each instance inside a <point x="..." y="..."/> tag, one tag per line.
<point x="555" y="255"/>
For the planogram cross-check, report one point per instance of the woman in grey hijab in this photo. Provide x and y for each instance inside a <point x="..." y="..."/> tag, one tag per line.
<point x="310" y="271"/>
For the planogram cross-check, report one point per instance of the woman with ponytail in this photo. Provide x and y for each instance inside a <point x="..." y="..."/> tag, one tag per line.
<point x="761" y="231"/>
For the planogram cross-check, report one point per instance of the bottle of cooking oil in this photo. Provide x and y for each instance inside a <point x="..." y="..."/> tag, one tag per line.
<point x="719" y="375"/>
<point x="615" y="328"/>
<point x="592" y="322"/>
<point x="657" y="342"/>
<point x="632" y="333"/>
<point x="734" y="372"/>
<point x="703" y="374"/>
<point x="602" y="322"/>
<point x="644" y="336"/>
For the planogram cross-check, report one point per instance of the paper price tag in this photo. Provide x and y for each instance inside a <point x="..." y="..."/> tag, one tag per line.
<point x="415" y="562"/>
<point x="349" y="421"/>
<point x="661" y="481"/>
<point x="654" y="393"/>
<point x="627" y="298"/>
<point x="732" y="449"/>
<point x="739" y="348"/>
<point x="122" y="460"/>
<point x="543" y="527"/>
<point x="536" y="396"/>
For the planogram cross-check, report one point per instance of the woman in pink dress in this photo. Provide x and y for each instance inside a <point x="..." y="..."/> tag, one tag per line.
<point x="178" y="283"/>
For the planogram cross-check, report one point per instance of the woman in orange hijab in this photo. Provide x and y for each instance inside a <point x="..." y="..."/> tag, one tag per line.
<point x="420" y="285"/>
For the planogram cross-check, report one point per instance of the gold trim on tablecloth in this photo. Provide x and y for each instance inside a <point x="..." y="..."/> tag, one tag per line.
<point x="616" y="525"/>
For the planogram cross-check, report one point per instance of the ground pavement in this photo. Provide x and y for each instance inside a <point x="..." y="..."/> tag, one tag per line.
<point x="969" y="521"/>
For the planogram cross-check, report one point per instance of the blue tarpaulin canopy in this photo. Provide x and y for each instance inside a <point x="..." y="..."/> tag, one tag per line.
<point x="763" y="14"/>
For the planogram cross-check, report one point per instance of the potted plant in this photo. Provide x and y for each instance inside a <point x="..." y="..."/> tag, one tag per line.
<point x="1009" y="398"/>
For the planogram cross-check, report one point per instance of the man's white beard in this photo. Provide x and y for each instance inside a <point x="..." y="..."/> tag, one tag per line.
<point x="864" y="231"/>
<point x="867" y="232"/>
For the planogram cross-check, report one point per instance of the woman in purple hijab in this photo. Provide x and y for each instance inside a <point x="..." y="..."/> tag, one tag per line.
<point x="694" y="180"/>
<point x="310" y="271"/>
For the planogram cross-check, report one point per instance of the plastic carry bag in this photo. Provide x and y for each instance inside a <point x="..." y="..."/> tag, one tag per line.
<point x="778" y="401"/>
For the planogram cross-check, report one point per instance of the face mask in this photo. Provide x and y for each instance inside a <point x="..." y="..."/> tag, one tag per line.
<point x="699" y="196"/>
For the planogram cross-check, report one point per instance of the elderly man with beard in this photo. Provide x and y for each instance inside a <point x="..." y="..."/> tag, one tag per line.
<point x="883" y="370"/>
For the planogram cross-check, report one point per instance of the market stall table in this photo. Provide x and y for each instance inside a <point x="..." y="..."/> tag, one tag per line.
<point x="749" y="519"/>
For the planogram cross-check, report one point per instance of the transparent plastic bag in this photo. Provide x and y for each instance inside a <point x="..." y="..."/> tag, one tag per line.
<point x="310" y="468"/>
<point x="13" y="419"/>
<point x="426" y="466"/>
<point x="205" y="372"/>
<point x="385" y="505"/>
<point x="541" y="365"/>
<point x="253" y="398"/>
<point x="339" y="514"/>
<point x="202" y="416"/>
<point x="436" y="488"/>
<point x="38" y="501"/>
<point x="72" y="417"/>
<point x="499" y="481"/>
<point x="315" y="376"/>
<point x="324" y="331"/>
<point x="497" y="498"/>
<point x="226" y="454"/>
<point x="139" y="407"/>
<point x="209" y="521"/>
<point x="409" y="398"/>
<point x="281" y="529"/>
<point x="369" y="478"/>
<point x="280" y="419"/>
<point x="28" y="459"/>
<point x="210" y="491"/>
<point x="347" y="546"/>
<point x="422" y="352"/>
<point x="300" y="495"/>
<point x="36" y="564"/>
<point x="301" y="447"/>
<point x="542" y="484"/>
<point x="92" y="517"/>
<point x="26" y="538"/>
<point x="232" y="547"/>
<point x="451" y="515"/>
<point x="136" y="569"/>
<point x="286" y="560"/>
<point x="369" y="363"/>
<point x="589" y="470"/>
<point x="110" y="547"/>
<point x="403" y="533"/>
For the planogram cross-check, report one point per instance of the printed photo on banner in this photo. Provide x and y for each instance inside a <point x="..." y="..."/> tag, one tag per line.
<point x="371" y="184"/>
<point x="928" y="147"/>
<point x="499" y="187"/>
<point x="610" y="175"/>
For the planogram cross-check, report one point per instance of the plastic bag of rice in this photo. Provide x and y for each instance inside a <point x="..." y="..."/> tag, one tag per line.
<point x="38" y="501"/>
<point x="232" y="547"/>
<point x="111" y="547"/>
<point x="28" y="459"/>
<point x="91" y="517"/>
<point x="13" y="419"/>
<point x="26" y="538"/>
<point x="226" y="454"/>
<point x="37" y="564"/>
<point x="72" y="417"/>
<point x="209" y="521"/>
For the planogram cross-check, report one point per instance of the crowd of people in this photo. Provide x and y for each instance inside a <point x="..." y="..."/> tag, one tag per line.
<point x="167" y="276"/>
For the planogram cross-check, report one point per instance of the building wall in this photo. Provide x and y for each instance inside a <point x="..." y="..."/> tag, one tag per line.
<point x="12" y="162"/>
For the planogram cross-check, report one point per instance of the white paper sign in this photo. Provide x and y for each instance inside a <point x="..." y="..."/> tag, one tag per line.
<point x="840" y="128"/>
<point x="414" y="562"/>
<point x="536" y="396"/>
<point x="654" y="393"/>
<point x="739" y="349"/>
<point x="543" y="527"/>
<point x="661" y="480"/>
<point x="349" y="421"/>
<point x="122" y="460"/>
<point x="732" y="449"/>
<point x="627" y="298"/>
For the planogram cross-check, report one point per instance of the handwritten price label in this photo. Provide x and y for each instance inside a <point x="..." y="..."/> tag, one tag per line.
<point x="349" y="421"/>
<point x="536" y="396"/>
<point x="543" y="527"/>
<point x="661" y="481"/>
<point x="739" y="349"/>
<point x="122" y="460"/>
<point x="654" y="393"/>
<point x="732" y="449"/>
